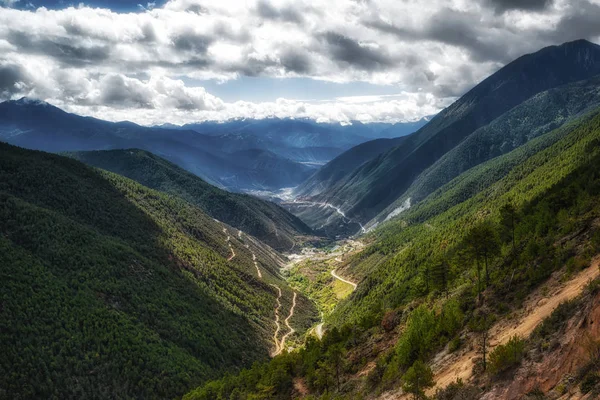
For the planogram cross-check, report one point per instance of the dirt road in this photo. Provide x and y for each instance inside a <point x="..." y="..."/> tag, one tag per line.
<point x="287" y="322"/>
<point x="537" y="307"/>
<point x="336" y="276"/>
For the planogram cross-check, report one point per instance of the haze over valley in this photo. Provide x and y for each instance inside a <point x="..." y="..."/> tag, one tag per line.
<point x="281" y="199"/>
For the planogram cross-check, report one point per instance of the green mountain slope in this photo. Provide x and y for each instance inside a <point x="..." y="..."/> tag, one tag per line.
<point x="264" y="220"/>
<point x="338" y="168"/>
<point x="378" y="183"/>
<point x="109" y="289"/>
<point x="531" y="119"/>
<point x="409" y="241"/>
<point x="427" y="283"/>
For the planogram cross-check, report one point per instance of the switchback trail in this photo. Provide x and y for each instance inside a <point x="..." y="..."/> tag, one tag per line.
<point x="253" y="257"/>
<point x="287" y="322"/>
<point x="277" y="349"/>
<point x="279" y="345"/>
<point x="256" y="265"/>
<point x="229" y="244"/>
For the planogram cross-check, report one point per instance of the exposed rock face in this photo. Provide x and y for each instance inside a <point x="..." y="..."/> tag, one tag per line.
<point x="571" y="353"/>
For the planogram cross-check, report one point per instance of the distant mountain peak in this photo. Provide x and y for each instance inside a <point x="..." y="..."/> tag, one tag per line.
<point x="28" y="101"/>
<point x="580" y="42"/>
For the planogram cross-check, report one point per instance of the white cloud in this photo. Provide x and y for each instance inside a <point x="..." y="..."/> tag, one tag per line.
<point x="9" y="3"/>
<point x="128" y="66"/>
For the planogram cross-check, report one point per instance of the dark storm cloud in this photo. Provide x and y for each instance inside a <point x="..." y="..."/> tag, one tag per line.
<point x="347" y="50"/>
<point x="296" y="62"/>
<point x="266" y="10"/>
<point x="456" y="28"/>
<point x="57" y="48"/>
<point x="528" y="5"/>
<point x="10" y="76"/>
<point x="461" y="29"/>
<point x="582" y="22"/>
<point x="192" y="42"/>
<point x="252" y="66"/>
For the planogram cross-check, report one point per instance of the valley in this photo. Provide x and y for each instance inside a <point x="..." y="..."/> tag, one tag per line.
<point x="451" y="257"/>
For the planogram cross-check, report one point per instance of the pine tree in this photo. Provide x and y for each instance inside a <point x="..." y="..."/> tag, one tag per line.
<point x="416" y="379"/>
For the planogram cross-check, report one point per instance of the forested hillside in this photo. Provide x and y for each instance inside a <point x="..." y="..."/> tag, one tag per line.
<point x="264" y="220"/>
<point x="429" y="281"/>
<point x="110" y="289"/>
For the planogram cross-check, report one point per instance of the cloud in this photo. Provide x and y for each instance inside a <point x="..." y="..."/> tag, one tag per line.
<point x="9" y="3"/>
<point x="108" y="64"/>
<point x="12" y="80"/>
<point x="355" y="54"/>
<point x="581" y="21"/>
<point x="400" y="107"/>
<point x="530" y="5"/>
<point x="288" y="14"/>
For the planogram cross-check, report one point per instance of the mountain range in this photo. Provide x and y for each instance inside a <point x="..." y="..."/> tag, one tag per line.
<point x="458" y="262"/>
<point x="239" y="155"/>
<point x="480" y="278"/>
<point x="264" y="220"/>
<point x="471" y="130"/>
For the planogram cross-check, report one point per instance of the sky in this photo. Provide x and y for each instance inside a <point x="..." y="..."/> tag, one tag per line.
<point x="181" y="61"/>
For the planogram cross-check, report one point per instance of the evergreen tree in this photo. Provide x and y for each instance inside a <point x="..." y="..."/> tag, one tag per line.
<point x="416" y="379"/>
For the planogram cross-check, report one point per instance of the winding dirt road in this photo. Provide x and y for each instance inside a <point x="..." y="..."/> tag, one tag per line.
<point x="336" y="209"/>
<point x="319" y="328"/>
<point x="253" y="256"/>
<point x="537" y="307"/>
<point x="256" y="265"/>
<point x="336" y="276"/>
<point x="229" y="244"/>
<point x="277" y="347"/>
<point x="287" y="322"/>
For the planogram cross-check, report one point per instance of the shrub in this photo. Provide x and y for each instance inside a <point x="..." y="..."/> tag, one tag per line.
<point x="454" y="344"/>
<point x="390" y="320"/>
<point x="458" y="391"/>
<point x="507" y="355"/>
<point x="451" y="319"/>
<point x="589" y="382"/>
<point x="555" y="322"/>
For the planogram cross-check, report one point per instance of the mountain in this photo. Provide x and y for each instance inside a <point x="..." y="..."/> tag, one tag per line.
<point x="404" y="128"/>
<point x="268" y="170"/>
<point x="495" y="294"/>
<point x="264" y="220"/>
<point x="314" y="213"/>
<point x="377" y="184"/>
<point x="111" y="289"/>
<point x="338" y="168"/>
<point x="288" y="132"/>
<point x="41" y="126"/>
<point x="531" y="119"/>
<point x="292" y="138"/>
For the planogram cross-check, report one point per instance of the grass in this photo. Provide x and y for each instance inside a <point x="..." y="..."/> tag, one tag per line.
<point x="342" y="289"/>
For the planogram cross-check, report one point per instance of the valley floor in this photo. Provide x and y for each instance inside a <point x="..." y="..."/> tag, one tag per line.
<point x="315" y="272"/>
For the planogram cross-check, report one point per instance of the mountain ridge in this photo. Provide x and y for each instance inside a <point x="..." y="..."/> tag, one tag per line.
<point x="379" y="182"/>
<point x="264" y="220"/>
